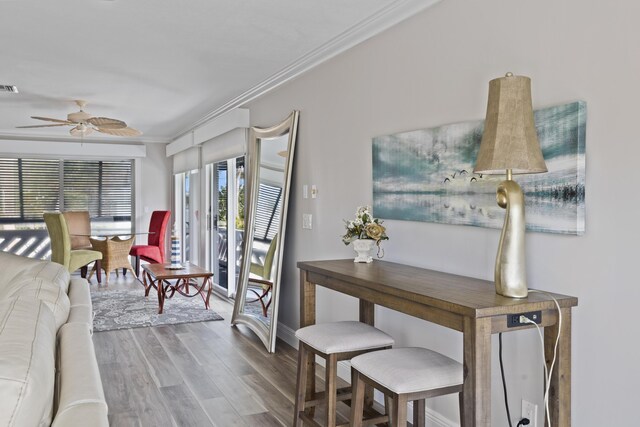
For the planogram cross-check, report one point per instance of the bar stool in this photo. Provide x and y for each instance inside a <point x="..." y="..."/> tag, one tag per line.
<point x="403" y="375"/>
<point x="333" y="342"/>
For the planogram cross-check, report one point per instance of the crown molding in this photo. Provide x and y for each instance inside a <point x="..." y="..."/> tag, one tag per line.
<point x="8" y="136"/>
<point x="68" y="150"/>
<point x="385" y="18"/>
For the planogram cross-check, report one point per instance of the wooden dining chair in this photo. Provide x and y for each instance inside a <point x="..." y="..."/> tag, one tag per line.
<point x="154" y="251"/>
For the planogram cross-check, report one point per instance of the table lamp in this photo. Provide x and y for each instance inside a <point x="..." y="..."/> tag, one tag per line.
<point x="510" y="146"/>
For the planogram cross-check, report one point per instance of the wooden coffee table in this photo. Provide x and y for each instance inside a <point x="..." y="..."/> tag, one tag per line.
<point x="185" y="282"/>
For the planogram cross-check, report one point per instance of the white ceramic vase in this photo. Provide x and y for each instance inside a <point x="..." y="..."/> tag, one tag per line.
<point x="363" y="248"/>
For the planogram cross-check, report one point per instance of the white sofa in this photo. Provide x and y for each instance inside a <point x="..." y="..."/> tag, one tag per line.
<point x="48" y="369"/>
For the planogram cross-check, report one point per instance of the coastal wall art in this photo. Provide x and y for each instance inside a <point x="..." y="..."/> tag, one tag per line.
<point x="427" y="175"/>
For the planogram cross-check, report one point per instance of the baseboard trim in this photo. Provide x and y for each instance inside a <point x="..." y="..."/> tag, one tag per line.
<point x="287" y="335"/>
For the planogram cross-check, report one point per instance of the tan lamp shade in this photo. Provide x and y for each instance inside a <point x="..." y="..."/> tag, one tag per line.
<point x="509" y="140"/>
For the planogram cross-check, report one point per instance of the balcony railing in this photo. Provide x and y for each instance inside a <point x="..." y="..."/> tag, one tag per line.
<point x="32" y="240"/>
<point x="29" y="243"/>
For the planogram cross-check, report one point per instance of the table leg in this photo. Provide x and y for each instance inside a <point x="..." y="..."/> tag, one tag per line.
<point x="308" y="317"/>
<point x="209" y="284"/>
<point x="161" y="295"/>
<point x="477" y="372"/>
<point x="98" y="267"/>
<point x="147" y="285"/>
<point x="367" y="315"/>
<point x="560" y="388"/>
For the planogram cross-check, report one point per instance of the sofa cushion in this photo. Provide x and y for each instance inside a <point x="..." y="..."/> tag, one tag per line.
<point x="51" y="271"/>
<point x="80" y="398"/>
<point x="44" y="280"/>
<point x="11" y="265"/>
<point x="48" y="292"/>
<point x="27" y="366"/>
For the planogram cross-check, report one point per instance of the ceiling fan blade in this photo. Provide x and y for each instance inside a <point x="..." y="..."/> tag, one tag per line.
<point x="107" y="123"/>
<point x="127" y="131"/>
<point x="42" y="126"/>
<point x="47" y="119"/>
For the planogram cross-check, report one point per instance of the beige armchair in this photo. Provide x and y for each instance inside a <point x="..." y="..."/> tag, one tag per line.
<point x="79" y="225"/>
<point x="61" y="251"/>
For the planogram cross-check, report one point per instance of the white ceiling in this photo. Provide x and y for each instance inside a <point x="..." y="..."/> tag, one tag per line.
<point x="164" y="66"/>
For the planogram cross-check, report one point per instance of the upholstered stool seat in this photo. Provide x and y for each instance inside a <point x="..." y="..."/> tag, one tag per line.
<point x="404" y="374"/>
<point x="333" y="341"/>
<point x="340" y="337"/>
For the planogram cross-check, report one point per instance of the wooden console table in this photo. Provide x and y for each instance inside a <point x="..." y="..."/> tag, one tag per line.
<point x="465" y="304"/>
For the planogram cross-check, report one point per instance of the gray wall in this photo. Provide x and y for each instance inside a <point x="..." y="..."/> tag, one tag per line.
<point x="434" y="69"/>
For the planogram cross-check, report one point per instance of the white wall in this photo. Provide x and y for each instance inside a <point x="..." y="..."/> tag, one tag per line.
<point x="154" y="191"/>
<point x="434" y="69"/>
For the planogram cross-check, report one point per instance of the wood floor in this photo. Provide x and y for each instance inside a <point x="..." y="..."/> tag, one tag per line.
<point x="196" y="374"/>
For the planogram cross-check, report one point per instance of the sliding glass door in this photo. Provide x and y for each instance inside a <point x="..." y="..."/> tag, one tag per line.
<point x="187" y="214"/>
<point x="225" y="222"/>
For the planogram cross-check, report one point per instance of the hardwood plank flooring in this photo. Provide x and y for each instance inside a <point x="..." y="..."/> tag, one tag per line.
<point x="197" y="374"/>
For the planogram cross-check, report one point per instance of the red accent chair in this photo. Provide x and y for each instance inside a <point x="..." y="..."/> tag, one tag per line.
<point x="153" y="252"/>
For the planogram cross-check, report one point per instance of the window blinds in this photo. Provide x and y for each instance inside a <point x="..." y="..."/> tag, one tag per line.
<point x="101" y="187"/>
<point x="29" y="187"/>
<point x="268" y="212"/>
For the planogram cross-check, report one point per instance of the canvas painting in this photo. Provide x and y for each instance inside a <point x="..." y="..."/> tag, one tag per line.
<point x="427" y="175"/>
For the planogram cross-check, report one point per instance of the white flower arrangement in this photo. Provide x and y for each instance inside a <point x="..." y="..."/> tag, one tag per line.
<point x="364" y="226"/>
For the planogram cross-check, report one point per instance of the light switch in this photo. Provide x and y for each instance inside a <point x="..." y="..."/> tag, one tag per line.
<point x="314" y="191"/>
<point x="307" y="221"/>
<point x="305" y="191"/>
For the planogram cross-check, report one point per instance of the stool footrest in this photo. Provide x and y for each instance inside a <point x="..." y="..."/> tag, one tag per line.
<point x="309" y="420"/>
<point x="343" y="393"/>
<point x="372" y="417"/>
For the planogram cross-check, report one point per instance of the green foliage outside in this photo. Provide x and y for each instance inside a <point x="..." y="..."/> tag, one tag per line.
<point x="222" y="208"/>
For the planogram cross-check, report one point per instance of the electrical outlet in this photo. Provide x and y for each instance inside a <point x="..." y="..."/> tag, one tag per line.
<point x="513" y="320"/>
<point x="530" y="411"/>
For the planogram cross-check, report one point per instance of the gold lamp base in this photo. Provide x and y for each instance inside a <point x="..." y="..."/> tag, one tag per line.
<point x="510" y="273"/>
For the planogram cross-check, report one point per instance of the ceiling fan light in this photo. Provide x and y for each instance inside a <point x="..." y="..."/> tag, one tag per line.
<point x="81" y="130"/>
<point x="78" y="117"/>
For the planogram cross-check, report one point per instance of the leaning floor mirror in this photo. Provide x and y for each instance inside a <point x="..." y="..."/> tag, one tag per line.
<point x="269" y="162"/>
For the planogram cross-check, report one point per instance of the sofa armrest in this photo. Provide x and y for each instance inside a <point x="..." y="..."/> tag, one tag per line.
<point x="80" y="398"/>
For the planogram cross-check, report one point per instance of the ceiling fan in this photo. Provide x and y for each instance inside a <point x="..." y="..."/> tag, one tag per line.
<point x="84" y="124"/>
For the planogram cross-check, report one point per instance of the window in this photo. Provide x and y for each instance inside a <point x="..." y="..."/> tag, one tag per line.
<point x="29" y="187"/>
<point x="104" y="188"/>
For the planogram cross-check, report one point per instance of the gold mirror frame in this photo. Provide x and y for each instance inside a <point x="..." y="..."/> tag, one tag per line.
<point x="257" y="137"/>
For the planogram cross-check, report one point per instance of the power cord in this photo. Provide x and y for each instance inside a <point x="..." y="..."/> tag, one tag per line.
<point x="524" y="421"/>
<point x="504" y="383"/>
<point x="548" y="373"/>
